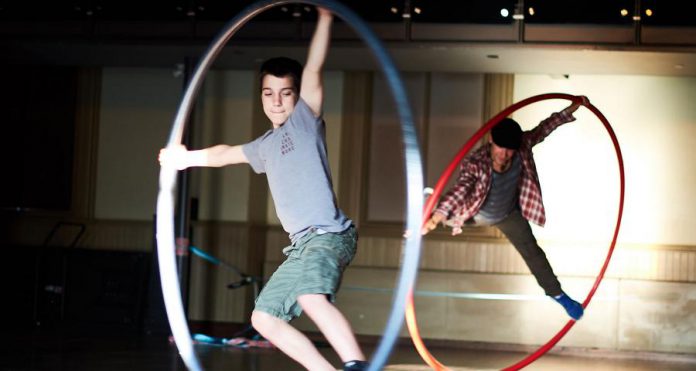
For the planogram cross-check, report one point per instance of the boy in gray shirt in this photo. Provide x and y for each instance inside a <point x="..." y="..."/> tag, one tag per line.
<point x="293" y="156"/>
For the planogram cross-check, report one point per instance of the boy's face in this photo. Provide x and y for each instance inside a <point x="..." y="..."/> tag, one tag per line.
<point x="278" y="97"/>
<point x="501" y="156"/>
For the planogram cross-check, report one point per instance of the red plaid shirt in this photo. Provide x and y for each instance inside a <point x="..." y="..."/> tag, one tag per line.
<point x="466" y="197"/>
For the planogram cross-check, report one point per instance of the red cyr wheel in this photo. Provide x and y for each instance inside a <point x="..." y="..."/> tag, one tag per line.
<point x="447" y="174"/>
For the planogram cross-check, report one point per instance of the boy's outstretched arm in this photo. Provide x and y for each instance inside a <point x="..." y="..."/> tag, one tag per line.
<point x="180" y="158"/>
<point x="311" y="88"/>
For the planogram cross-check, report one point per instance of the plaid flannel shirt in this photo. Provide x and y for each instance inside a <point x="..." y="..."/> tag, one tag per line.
<point x="466" y="197"/>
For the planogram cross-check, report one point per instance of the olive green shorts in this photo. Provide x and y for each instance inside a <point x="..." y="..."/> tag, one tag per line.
<point x="314" y="265"/>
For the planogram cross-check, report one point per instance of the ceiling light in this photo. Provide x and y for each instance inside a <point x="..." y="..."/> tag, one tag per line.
<point x="504" y="12"/>
<point x="394" y="10"/>
<point x="648" y="12"/>
<point x="624" y="12"/>
<point x="417" y="10"/>
<point x="531" y="11"/>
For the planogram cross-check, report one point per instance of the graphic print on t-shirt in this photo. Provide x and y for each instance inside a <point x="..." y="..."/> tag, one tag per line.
<point x="286" y="144"/>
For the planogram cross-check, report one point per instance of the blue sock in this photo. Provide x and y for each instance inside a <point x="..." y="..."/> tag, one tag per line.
<point x="572" y="307"/>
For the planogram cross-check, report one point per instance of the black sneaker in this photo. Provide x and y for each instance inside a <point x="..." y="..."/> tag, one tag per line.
<point x="355" y="366"/>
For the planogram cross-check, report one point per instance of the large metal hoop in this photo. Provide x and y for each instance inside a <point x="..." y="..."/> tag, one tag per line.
<point x="414" y="183"/>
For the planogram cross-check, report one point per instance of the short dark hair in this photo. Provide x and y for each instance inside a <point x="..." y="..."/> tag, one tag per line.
<point x="282" y="67"/>
<point x="507" y="134"/>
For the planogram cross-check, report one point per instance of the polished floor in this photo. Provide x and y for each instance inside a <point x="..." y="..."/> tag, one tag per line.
<point x="71" y="351"/>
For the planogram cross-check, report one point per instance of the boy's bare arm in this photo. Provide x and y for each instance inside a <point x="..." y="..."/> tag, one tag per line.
<point x="311" y="90"/>
<point x="216" y="156"/>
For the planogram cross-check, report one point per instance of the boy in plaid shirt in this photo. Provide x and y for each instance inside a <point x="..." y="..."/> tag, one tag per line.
<point x="498" y="185"/>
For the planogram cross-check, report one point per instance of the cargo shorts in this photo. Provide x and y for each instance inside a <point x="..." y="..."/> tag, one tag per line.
<point x="314" y="265"/>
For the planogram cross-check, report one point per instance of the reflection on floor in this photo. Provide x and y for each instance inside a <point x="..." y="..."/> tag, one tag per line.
<point x="105" y="351"/>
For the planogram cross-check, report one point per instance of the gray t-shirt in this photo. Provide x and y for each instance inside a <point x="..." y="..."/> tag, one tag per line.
<point x="294" y="158"/>
<point x="502" y="197"/>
